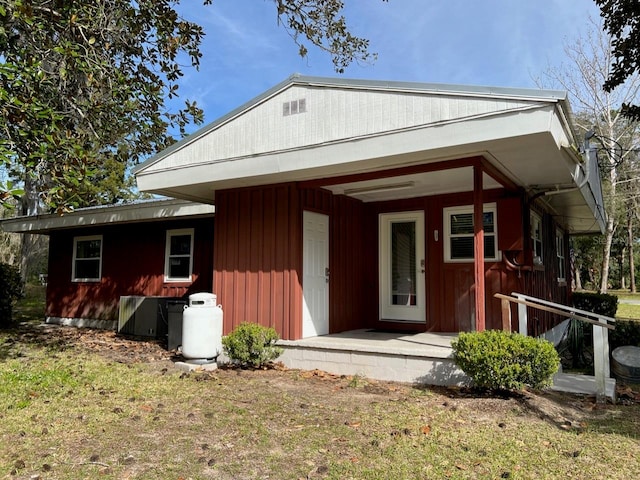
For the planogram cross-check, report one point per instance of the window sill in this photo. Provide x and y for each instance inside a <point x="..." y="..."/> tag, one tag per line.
<point x="168" y="281"/>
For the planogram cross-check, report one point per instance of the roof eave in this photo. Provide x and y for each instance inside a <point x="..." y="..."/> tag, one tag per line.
<point x="107" y="215"/>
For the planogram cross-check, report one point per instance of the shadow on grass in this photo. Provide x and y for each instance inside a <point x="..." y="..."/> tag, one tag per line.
<point x="30" y="334"/>
<point x="565" y="411"/>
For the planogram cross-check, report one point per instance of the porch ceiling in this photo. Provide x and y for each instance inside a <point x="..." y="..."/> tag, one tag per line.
<point x="415" y="185"/>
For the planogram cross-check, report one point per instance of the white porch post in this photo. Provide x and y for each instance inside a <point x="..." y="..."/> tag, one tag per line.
<point x="522" y="315"/>
<point x="601" y="367"/>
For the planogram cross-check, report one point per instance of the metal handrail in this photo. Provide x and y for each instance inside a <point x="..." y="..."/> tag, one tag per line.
<point x="600" y="336"/>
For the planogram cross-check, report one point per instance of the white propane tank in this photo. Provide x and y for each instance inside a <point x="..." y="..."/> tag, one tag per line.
<point x="202" y="327"/>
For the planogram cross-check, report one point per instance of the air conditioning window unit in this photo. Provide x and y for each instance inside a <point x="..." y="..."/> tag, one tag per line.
<point x="143" y="316"/>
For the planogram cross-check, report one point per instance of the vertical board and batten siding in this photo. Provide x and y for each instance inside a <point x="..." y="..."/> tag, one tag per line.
<point x="352" y="283"/>
<point x="133" y="257"/>
<point x="258" y="258"/>
<point x="542" y="282"/>
<point x="450" y="287"/>
<point x="332" y="114"/>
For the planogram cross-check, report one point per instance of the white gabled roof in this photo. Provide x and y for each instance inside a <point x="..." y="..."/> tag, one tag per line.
<point x="336" y="111"/>
<point x="141" y="211"/>
<point x="311" y="128"/>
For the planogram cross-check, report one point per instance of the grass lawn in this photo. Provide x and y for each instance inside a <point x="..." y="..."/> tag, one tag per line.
<point x="77" y="404"/>
<point x="628" y="304"/>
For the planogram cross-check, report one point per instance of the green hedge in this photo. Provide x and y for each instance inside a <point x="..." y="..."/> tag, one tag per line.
<point x="627" y="332"/>
<point x="500" y="360"/>
<point x="11" y="288"/>
<point x="600" y="303"/>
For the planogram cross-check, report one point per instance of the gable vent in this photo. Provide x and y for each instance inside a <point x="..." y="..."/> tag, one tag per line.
<point x="294" y="107"/>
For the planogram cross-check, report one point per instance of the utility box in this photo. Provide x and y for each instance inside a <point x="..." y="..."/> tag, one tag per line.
<point x="143" y="316"/>
<point x="175" y="309"/>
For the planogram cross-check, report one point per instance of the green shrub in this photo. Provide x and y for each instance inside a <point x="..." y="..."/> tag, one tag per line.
<point x="627" y="332"/>
<point x="11" y="288"/>
<point x="251" y="344"/>
<point x="600" y="303"/>
<point x="499" y="360"/>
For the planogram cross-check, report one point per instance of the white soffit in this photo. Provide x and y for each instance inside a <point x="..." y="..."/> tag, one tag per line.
<point x="505" y="134"/>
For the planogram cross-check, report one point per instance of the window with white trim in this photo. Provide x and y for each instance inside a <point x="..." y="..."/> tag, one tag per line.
<point x="562" y="261"/>
<point x="458" y="233"/>
<point x="178" y="265"/>
<point x="87" y="259"/>
<point x="536" y="238"/>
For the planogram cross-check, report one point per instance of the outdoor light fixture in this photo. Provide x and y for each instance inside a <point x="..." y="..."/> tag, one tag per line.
<point x="379" y="188"/>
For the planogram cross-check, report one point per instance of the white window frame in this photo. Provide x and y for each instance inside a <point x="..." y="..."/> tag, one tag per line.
<point x="448" y="212"/>
<point x="168" y="256"/>
<point x="537" y="253"/>
<point x="561" y="256"/>
<point x="89" y="238"/>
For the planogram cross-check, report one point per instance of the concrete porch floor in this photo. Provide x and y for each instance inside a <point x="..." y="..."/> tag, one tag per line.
<point x="403" y="357"/>
<point x="419" y="358"/>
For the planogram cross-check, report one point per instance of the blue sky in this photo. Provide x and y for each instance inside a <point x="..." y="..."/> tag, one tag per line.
<point x="506" y="43"/>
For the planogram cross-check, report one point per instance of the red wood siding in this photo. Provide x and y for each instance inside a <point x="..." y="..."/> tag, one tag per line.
<point x="258" y="260"/>
<point x="352" y="284"/>
<point x="133" y="259"/>
<point x="542" y="282"/>
<point x="258" y="257"/>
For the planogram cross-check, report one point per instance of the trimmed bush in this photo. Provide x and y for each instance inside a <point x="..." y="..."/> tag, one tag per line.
<point x="251" y="344"/>
<point x="11" y="289"/>
<point x="500" y="360"/>
<point x="600" y="303"/>
<point x="627" y="332"/>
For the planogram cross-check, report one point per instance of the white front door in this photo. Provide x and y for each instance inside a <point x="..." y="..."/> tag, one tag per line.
<point x="402" y="267"/>
<point x="315" y="282"/>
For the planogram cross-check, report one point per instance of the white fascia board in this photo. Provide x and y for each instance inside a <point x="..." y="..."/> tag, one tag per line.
<point x="139" y="212"/>
<point x="356" y="155"/>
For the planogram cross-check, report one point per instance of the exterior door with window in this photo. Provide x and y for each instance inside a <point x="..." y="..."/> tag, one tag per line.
<point x="402" y="267"/>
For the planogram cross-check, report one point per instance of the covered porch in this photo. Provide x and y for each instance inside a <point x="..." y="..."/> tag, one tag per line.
<point x="422" y="358"/>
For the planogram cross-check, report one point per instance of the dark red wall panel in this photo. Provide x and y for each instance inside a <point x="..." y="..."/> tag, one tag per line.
<point x="132" y="264"/>
<point x="258" y="257"/>
<point x="351" y="285"/>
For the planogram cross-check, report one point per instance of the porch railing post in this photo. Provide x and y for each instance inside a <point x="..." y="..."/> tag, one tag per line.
<point x="601" y="361"/>
<point x="506" y="315"/>
<point x="522" y="316"/>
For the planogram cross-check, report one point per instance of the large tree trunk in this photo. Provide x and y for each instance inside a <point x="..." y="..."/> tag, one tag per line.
<point x="623" y="284"/>
<point x="575" y="272"/>
<point x="610" y="229"/>
<point x="632" y="267"/>
<point x="29" y="205"/>
<point x="606" y="254"/>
